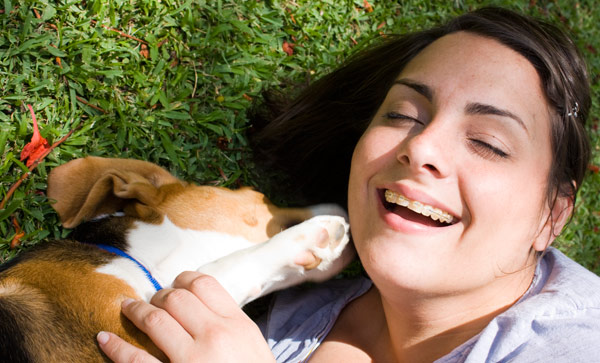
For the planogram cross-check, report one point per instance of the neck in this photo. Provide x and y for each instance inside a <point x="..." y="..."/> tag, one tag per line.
<point x="422" y="328"/>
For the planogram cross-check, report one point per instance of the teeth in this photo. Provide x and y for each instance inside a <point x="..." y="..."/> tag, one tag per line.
<point x="415" y="206"/>
<point x="428" y="211"/>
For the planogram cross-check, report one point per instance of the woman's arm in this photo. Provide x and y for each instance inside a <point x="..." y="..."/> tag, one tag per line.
<point x="197" y="320"/>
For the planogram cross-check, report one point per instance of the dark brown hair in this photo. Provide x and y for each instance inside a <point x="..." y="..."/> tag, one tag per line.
<point x="311" y="139"/>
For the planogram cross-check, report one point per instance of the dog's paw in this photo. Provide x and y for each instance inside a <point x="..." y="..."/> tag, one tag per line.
<point x="318" y="241"/>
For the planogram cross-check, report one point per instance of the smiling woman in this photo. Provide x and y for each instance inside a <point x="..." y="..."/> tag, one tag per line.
<point x="444" y="155"/>
<point x="466" y="159"/>
<point x="462" y="148"/>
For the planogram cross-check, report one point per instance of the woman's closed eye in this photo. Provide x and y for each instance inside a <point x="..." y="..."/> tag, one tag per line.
<point x="395" y="116"/>
<point x="486" y="150"/>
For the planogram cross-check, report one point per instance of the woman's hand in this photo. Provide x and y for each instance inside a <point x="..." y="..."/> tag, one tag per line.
<point x="196" y="321"/>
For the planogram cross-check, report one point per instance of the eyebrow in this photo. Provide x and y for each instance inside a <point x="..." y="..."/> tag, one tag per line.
<point x="483" y="109"/>
<point x="474" y="108"/>
<point x="420" y="88"/>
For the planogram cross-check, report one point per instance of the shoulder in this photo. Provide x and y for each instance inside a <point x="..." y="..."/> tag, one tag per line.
<point x="558" y="318"/>
<point x="562" y="287"/>
<point x="301" y="317"/>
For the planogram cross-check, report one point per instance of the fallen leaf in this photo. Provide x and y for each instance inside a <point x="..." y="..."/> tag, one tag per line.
<point x="223" y="174"/>
<point x="144" y="51"/>
<point x="223" y="143"/>
<point x="38" y="145"/>
<point x="591" y="49"/>
<point x="288" y="48"/>
<point x="368" y="7"/>
<point x="19" y="233"/>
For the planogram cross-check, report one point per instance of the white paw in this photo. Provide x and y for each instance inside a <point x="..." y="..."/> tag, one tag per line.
<point x="318" y="241"/>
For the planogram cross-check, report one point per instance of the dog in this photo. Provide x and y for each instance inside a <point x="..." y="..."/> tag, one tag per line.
<point x="137" y="228"/>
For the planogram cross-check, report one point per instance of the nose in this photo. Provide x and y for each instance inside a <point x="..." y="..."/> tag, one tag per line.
<point x="427" y="151"/>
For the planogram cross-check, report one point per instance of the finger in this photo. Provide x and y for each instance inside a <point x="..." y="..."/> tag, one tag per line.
<point x="210" y="292"/>
<point x="120" y="351"/>
<point x="168" y="335"/>
<point x="189" y="311"/>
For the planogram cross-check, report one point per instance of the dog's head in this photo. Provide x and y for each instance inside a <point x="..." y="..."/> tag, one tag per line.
<point x="86" y="188"/>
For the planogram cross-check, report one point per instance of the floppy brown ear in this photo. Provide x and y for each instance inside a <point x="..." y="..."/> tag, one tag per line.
<point x="85" y="188"/>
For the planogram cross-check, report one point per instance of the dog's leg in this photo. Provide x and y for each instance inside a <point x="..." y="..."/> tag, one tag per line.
<point x="282" y="261"/>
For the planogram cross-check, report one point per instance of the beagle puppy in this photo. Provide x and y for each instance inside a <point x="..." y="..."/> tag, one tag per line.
<point x="136" y="228"/>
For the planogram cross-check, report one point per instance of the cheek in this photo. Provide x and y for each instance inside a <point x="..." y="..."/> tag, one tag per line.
<point x="359" y="167"/>
<point x="507" y="205"/>
<point x="376" y="150"/>
<point x="357" y="181"/>
<point x="367" y="160"/>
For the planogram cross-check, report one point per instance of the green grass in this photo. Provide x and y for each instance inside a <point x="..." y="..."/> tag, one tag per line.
<point x="183" y="106"/>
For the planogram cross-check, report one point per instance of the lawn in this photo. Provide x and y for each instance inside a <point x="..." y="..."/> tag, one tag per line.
<point x="170" y="82"/>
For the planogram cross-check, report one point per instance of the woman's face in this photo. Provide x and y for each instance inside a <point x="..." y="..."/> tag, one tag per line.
<point x="464" y="134"/>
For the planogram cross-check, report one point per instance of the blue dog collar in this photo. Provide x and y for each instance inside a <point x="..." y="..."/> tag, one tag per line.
<point x="119" y="252"/>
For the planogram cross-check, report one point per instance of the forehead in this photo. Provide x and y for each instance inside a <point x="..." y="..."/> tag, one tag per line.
<point x="472" y="53"/>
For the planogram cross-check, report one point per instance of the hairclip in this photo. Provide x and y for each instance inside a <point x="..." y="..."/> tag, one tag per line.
<point x="574" y="110"/>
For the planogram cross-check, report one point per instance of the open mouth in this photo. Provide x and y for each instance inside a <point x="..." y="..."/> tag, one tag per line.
<point x="416" y="211"/>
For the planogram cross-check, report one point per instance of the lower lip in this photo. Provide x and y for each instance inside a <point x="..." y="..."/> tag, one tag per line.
<point x="400" y="224"/>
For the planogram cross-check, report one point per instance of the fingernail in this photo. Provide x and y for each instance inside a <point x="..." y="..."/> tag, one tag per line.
<point x="126" y="302"/>
<point x="102" y="337"/>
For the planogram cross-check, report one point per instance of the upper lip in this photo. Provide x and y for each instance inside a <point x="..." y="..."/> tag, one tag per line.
<point x="420" y="196"/>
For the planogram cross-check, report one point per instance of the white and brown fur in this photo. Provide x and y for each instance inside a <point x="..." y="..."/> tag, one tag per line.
<point x="55" y="298"/>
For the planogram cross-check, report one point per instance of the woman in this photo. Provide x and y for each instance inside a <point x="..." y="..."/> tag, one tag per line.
<point x="468" y="149"/>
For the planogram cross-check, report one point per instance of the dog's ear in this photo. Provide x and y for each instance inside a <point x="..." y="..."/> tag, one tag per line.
<point x="85" y="188"/>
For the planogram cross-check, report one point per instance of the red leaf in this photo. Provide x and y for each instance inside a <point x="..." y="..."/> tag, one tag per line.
<point x="368" y="7"/>
<point x="144" y="52"/>
<point x="591" y="49"/>
<point x="36" y="148"/>
<point x="288" y="48"/>
<point x="594" y="168"/>
<point x="19" y="233"/>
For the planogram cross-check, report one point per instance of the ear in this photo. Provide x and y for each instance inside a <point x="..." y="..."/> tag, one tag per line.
<point x="554" y="222"/>
<point x="85" y="188"/>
